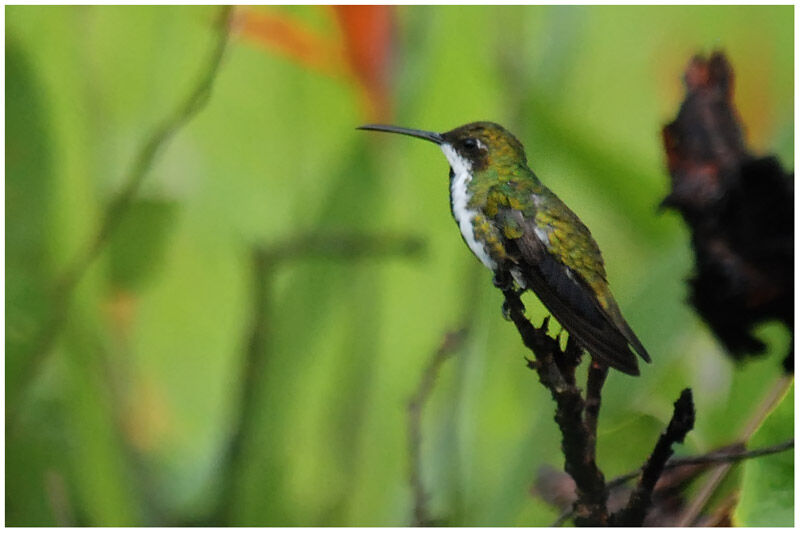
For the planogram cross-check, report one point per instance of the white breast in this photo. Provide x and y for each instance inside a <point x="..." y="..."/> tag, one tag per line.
<point x="459" y="195"/>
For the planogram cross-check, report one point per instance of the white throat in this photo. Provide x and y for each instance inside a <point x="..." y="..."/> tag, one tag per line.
<point x="459" y="196"/>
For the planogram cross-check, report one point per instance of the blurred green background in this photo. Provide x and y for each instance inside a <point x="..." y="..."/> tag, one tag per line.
<point x="125" y="415"/>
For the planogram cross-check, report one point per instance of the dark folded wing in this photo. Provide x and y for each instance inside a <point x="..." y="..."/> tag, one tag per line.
<point x="572" y="302"/>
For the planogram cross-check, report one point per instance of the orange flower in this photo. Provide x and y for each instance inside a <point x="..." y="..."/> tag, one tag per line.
<point x="359" y="53"/>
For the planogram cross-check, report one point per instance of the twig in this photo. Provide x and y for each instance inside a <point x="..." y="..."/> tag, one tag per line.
<point x="568" y="360"/>
<point x="717" y="457"/>
<point x="709" y="458"/>
<point x="594" y="386"/>
<point x="576" y="444"/>
<point x="119" y="205"/>
<point x="682" y="422"/>
<point x="452" y="341"/>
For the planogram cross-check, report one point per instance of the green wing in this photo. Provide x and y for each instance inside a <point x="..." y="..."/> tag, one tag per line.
<point x="570" y="241"/>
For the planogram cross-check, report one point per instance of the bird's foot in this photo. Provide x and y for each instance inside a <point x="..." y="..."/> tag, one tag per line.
<point x="502" y="280"/>
<point x="506" y="309"/>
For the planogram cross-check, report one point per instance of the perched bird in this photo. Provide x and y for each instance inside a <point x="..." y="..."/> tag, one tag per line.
<point x="517" y="227"/>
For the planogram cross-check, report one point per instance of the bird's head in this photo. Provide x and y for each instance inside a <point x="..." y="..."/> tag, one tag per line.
<point x="473" y="147"/>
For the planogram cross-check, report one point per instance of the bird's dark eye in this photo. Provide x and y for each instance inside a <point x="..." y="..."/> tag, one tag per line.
<point x="469" y="143"/>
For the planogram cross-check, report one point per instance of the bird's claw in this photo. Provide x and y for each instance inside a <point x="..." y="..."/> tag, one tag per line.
<point x="507" y="309"/>
<point x="502" y="281"/>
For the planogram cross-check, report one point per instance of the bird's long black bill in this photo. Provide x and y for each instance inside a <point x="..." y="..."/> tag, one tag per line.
<point x="420" y="134"/>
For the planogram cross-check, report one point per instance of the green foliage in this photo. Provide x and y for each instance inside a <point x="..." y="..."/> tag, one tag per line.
<point x="130" y="411"/>
<point x="137" y="248"/>
<point x="29" y="176"/>
<point x="767" y="498"/>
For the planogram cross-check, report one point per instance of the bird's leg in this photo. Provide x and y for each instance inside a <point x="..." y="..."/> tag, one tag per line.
<point x="506" y="311"/>
<point x="503" y="281"/>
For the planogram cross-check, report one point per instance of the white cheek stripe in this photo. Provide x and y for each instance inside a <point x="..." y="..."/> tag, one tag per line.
<point x="462" y="175"/>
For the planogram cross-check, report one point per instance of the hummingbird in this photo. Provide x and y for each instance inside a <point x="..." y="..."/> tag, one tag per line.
<point x="521" y="231"/>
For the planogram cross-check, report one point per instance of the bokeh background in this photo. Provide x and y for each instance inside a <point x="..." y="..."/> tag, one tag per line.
<point x="281" y="280"/>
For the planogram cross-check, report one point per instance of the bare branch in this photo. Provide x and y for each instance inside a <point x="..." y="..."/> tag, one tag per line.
<point x="594" y="386"/>
<point x="556" y="371"/>
<point x="711" y="458"/>
<point x="682" y="422"/>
